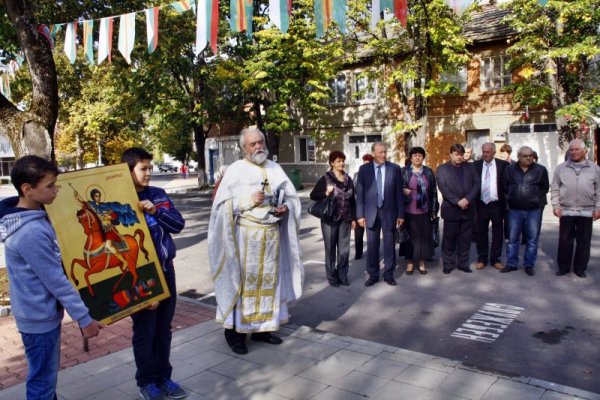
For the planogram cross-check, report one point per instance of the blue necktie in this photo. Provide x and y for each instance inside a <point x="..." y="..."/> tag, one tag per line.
<point x="486" y="194"/>
<point x="379" y="188"/>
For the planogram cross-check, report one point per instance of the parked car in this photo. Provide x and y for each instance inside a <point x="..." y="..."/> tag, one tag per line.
<point x="166" y="167"/>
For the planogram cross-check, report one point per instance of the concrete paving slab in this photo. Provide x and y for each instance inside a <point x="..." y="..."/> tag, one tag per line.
<point x="395" y="390"/>
<point x="565" y="389"/>
<point x="469" y="385"/>
<point x="505" y="389"/>
<point x="557" y="396"/>
<point x="235" y="368"/>
<point x="13" y="392"/>
<point x="83" y="388"/>
<point x="333" y="393"/>
<point x="108" y="394"/>
<point x="205" y="360"/>
<point x="422" y="377"/>
<point x="361" y="383"/>
<point x="383" y="367"/>
<point x="205" y="382"/>
<point x="117" y="375"/>
<point x="236" y="390"/>
<point x="299" y="388"/>
<point x="335" y="367"/>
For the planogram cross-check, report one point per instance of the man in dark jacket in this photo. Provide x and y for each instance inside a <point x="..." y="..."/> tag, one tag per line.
<point x="490" y="207"/>
<point x="526" y="185"/>
<point x="459" y="184"/>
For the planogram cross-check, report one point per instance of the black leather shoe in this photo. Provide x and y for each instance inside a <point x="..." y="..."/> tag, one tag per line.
<point x="371" y="282"/>
<point x="391" y="281"/>
<point x="239" y="348"/>
<point x="581" y="274"/>
<point x="467" y="270"/>
<point x="344" y="283"/>
<point x="266" y="337"/>
<point x="507" y="269"/>
<point x="561" y="273"/>
<point x="334" y="284"/>
<point x="447" y="271"/>
<point x="529" y="271"/>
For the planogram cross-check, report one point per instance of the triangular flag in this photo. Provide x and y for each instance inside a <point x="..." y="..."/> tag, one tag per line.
<point x="207" y="24"/>
<point x="88" y="40"/>
<point x="126" y="35"/>
<point x="279" y="14"/>
<point x="323" y="15"/>
<point x="105" y="39"/>
<point x="339" y="14"/>
<point x="240" y="18"/>
<point x="152" y="28"/>
<point x="71" y="41"/>
<point x="543" y="2"/>
<point x="459" y="6"/>
<point x="375" y="13"/>
<point x="184" y="5"/>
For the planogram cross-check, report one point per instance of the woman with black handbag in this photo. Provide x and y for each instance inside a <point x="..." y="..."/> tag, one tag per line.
<point x="420" y="191"/>
<point x="336" y="231"/>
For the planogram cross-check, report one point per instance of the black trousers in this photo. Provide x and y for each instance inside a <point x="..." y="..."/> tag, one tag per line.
<point x="489" y="213"/>
<point x="152" y="338"/>
<point x="579" y="230"/>
<point x="359" y="233"/>
<point x="456" y="243"/>
<point x="336" y="236"/>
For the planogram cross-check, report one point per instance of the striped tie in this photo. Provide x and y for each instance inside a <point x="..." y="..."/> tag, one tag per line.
<point x="379" y="188"/>
<point x="486" y="196"/>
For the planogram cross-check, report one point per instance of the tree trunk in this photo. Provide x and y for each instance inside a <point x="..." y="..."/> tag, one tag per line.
<point x="32" y="131"/>
<point x="200" y="141"/>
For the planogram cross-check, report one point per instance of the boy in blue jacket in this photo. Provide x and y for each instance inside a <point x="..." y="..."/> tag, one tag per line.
<point x="152" y="327"/>
<point x="39" y="289"/>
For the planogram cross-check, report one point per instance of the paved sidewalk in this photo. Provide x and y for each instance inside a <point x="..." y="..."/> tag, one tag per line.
<point x="308" y="365"/>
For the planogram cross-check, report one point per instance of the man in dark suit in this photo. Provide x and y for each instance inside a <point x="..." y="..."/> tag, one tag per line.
<point x="490" y="207"/>
<point x="380" y="208"/>
<point x="459" y="184"/>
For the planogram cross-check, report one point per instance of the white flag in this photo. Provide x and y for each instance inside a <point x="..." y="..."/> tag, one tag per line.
<point x="127" y="35"/>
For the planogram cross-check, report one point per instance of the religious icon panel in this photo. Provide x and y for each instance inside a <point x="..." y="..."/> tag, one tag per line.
<point x="107" y="250"/>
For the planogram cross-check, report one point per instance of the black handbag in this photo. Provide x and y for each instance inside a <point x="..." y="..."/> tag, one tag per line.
<point x="323" y="209"/>
<point x="402" y="235"/>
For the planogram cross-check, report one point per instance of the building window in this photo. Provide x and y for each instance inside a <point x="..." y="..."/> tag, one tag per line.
<point x="338" y="90"/>
<point x="458" y="79"/>
<point x="533" y="128"/>
<point x="494" y="73"/>
<point x="305" y="149"/>
<point x="364" y="89"/>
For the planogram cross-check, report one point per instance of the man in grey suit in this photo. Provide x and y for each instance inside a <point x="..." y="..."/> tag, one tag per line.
<point x="459" y="184"/>
<point x="380" y="208"/>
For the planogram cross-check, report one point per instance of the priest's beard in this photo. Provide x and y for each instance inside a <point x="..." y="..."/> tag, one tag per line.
<point x="259" y="156"/>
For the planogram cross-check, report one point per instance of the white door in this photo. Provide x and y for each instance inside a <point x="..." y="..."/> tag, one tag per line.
<point x="355" y="147"/>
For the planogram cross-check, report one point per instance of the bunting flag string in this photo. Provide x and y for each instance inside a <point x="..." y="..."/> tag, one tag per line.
<point x="71" y="41"/>
<point x="152" y="28"/>
<point x="207" y="24"/>
<point x="543" y="2"/>
<point x="105" y="40"/>
<point x="126" y="35"/>
<point x="5" y="86"/>
<point x="279" y="13"/>
<point x="88" y="40"/>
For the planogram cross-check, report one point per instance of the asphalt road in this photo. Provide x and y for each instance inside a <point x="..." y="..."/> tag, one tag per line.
<point x="551" y="331"/>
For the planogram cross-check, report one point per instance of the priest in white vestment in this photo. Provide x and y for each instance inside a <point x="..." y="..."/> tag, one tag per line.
<point x="253" y="246"/>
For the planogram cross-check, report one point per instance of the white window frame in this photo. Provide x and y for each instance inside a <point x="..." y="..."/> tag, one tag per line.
<point x="308" y="142"/>
<point x="494" y="73"/>
<point x="338" y="95"/>
<point x="361" y="89"/>
<point x="458" y="78"/>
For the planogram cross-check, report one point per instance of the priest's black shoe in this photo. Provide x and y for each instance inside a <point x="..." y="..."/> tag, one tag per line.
<point x="239" y="348"/>
<point x="529" y="271"/>
<point x="390" y="281"/>
<point x="447" y="271"/>
<point x="561" y="273"/>
<point x="266" y="337"/>
<point x="371" y="282"/>
<point x="581" y="274"/>
<point x="507" y="269"/>
<point x="467" y="270"/>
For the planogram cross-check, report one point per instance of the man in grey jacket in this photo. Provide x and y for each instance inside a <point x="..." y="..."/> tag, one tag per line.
<point x="576" y="201"/>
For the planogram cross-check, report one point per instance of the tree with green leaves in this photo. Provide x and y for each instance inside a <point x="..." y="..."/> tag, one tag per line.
<point x="412" y="58"/>
<point x="556" y="55"/>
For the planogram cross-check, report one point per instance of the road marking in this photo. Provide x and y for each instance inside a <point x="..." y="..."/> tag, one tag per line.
<point x="313" y="262"/>
<point x="488" y="322"/>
